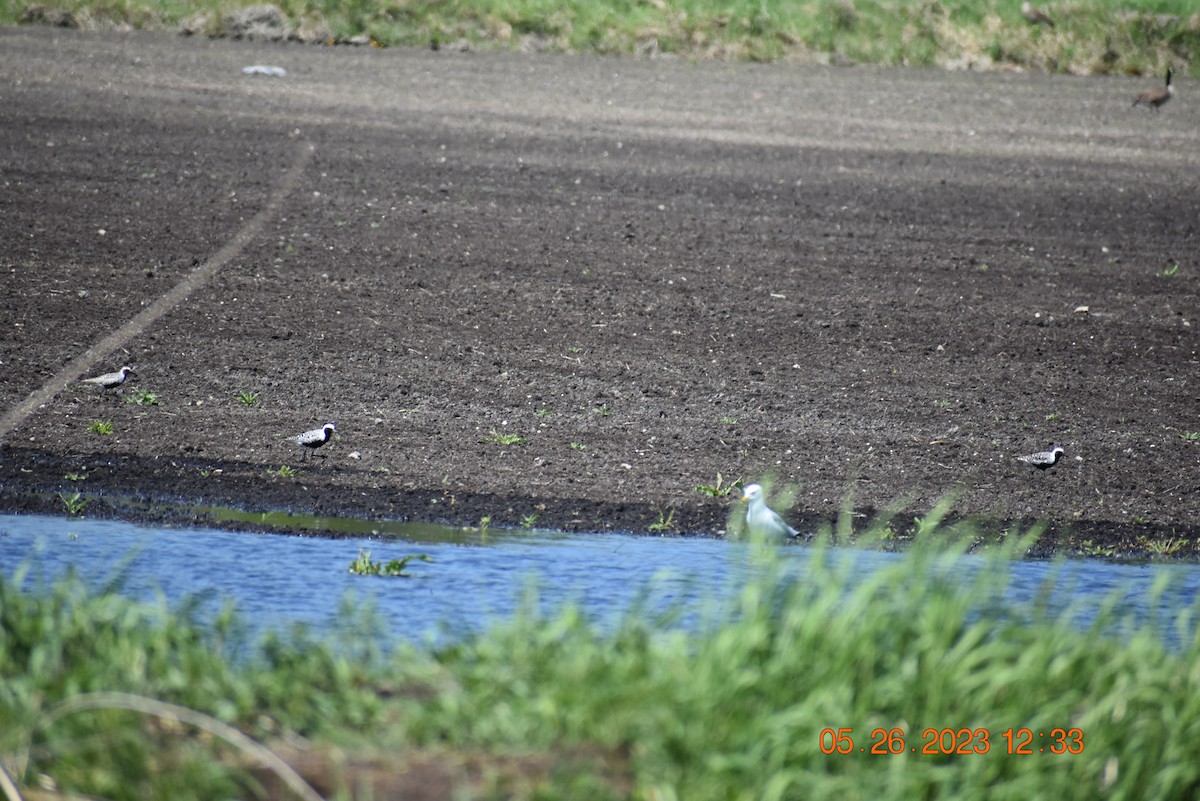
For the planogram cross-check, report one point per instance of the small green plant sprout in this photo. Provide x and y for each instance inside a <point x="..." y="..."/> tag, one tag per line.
<point x="1053" y="416"/>
<point x="729" y="421"/>
<point x="528" y="521"/>
<point x="73" y="476"/>
<point x="248" y="398"/>
<point x="1089" y="548"/>
<point x="575" y="349"/>
<point x="720" y="489"/>
<point x="142" y="397"/>
<point x="1190" y="436"/>
<point x="364" y="566"/>
<point x="102" y="427"/>
<point x="1168" y="272"/>
<point x="283" y="471"/>
<point x="543" y="413"/>
<point x="74" y="503"/>
<point x="485" y="524"/>
<point x="496" y="438"/>
<point x="1168" y="547"/>
<point x="666" y="522"/>
<point x="602" y="410"/>
<point x="578" y="446"/>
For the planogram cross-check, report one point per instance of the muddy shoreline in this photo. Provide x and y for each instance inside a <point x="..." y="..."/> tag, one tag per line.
<point x="582" y="288"/>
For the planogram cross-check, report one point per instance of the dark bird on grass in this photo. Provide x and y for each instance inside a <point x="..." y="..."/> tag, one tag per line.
<point x="1157" y="96"/>
<point x="110" y="380"/>
<point x="761" y="518"/>
<point x="1043" y="460"/>
<point x="315" y="438"/>
<point x="1034" y="16"/>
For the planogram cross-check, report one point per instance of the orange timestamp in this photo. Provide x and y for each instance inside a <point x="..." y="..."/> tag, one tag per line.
<point x="947" y="741"/>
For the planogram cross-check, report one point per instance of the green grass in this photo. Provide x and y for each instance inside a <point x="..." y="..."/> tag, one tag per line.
<point x="496" y="438"/>
<point x="142" y="397"/>
<point x="102" y="428"/>
<point x="283" y="471"/>
<point x="247" y="398"/>
<point x="732" y="708"/>
<point x="1124" y="36"/>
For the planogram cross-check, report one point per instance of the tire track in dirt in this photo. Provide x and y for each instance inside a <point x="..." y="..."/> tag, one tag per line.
<point x="75" y="368"/>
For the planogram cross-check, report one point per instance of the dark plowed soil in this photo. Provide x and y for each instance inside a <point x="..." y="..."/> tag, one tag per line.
<point x="886" y="284"/>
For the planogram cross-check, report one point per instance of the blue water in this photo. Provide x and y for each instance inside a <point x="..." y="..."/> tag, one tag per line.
<point x="276" y="581"/>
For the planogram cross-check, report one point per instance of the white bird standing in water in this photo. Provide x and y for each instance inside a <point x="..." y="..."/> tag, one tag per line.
<point x="1043" y="460"/>
<point x="315" y="438"/>
<point x="109" y="380"/>
<point x="762" y="518"/>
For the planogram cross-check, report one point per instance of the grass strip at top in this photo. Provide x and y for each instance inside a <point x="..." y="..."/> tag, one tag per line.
<point x="731" y="706"/>
<point x="1089" y="36"/>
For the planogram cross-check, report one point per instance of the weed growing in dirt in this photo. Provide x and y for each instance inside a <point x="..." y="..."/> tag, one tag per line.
<point x="729" y="421"/>
<point x="364" y="566"/>
<point x="72" y="476"/>
<point x="602" y="410"/>
<point x="1169" y="272"/>
<point x="720" y="490"/>
<point x="142" y="397"/>
<point x="544" y="413"/>
<point x="496" y="438"/>
<point x="485" y="525"/>
<point x="248" y="398"/>
<point x="1172" y="546"/>
<point x="1190" y="436"/>
<point x="528" y="521"/>
<point x="283" y="471"/>
<point x="102" y="427"/>
<point x="578" y="446"/>
<point x="74" y="503"/>
<point x="666" y="521"/>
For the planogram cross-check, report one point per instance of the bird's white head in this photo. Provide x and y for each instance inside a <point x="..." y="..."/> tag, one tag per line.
<point x="329" y="428"/>
<point x="752" y="492"/>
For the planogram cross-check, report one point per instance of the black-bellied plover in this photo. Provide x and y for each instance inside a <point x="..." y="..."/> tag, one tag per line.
<point x="315" y="438"/>
<point x="1043" y="460"/>
<point x="1157" y="96"/>
<point x="761" y="518"/>
<point x="109" y="380"/>
<point x="1035" y="17"/>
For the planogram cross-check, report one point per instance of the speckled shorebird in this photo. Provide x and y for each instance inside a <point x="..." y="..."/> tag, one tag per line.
<point x="110" y="380"/>
<point x="761" y="518"/>
<point x="1043" y="460"/>
<point x="315" y="438"/>
<point x="1156" y="97"/>
<point x="1035" y="17"/>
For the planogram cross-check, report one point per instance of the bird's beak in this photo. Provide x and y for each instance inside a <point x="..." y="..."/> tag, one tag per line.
<point x="745" y="497"/>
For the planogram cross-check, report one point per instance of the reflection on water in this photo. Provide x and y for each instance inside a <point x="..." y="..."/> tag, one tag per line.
<point x="277" y="580"/>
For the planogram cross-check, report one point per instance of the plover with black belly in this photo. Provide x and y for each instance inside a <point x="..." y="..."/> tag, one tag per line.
<point x="761" y="518"/>
<point x="1043" y="460"/>
<point x="315" y="438"/>
<point x="109" y="380"/>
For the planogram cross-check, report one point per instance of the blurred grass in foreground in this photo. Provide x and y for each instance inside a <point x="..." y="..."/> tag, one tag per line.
<point x="731" y="706"/>
<point x="1089" y="36"/>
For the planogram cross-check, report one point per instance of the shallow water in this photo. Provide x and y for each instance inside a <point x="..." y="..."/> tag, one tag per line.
<point x="277" y="581"/>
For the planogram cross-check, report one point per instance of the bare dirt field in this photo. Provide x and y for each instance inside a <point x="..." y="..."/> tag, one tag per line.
<point x="880" y="284"/>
